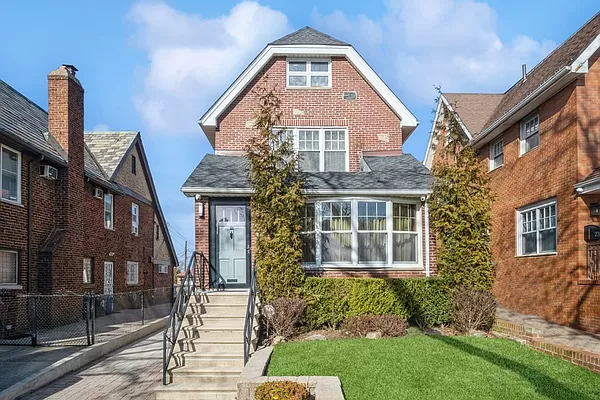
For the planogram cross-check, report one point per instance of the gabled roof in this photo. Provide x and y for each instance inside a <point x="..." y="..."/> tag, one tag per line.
<point x="310" y="36"/>
<point x="110" y="148"/>
<point x="400" y="175"/>
<point x="474" y="109"/>
<point x="306" y="41"/>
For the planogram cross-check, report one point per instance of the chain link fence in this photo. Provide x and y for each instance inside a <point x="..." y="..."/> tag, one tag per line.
<point x="78" y="319"/>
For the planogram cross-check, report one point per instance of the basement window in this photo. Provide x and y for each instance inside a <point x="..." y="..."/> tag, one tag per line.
<point x="9" y="264"/>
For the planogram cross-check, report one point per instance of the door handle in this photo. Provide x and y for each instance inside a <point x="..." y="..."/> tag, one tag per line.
<point x="230" y="233"/>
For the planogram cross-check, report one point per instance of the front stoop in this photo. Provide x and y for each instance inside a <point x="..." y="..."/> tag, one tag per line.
<point x="210" y="355"/>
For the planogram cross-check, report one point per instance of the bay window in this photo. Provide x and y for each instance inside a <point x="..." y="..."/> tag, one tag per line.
<point x="536" y="229"/>
<point x="361" y="233"/>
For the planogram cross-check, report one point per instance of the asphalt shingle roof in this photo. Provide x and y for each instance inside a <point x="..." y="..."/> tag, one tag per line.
<point x="402" y="173"/>
<point x="474" y="109"/>
<point x="308" y="36"/>
<point x="24" y="121"/>
<point x="109" y="148"/>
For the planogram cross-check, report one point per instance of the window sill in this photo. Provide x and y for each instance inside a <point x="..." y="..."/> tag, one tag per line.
<point x="553" y="253"/>
<point x="133" y="284"/>
<point x="89" y="285"/>
<point x="8" y="286"/>
<point x="109" y="229"/>
<point x="498" y="167"/>
<point x="530" y="151"/>
<point x="588" y="282"/>
<point x="308" y="87"/>
<point x="373" y="267"/>
<point x="14" y="203"/>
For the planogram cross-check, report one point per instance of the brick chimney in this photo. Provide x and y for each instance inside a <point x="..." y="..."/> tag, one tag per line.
<point x="65" y="125"/>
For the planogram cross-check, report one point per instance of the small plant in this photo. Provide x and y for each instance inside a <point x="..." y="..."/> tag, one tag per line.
<point x="284" y="315"/>
<point x="282" y="390"/>
<point x="473" y="309"/>
<point x="388" y="325"/>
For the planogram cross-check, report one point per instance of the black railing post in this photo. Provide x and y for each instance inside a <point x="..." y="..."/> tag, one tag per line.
<point x="142" y="307"/>
<point x="93" y="318"/>
<point x="88" y="311"/>
<point x="33" y="315"/>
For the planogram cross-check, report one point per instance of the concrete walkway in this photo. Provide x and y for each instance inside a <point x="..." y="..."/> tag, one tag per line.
<point x="553" y="333"/>
<point x="20" y="362"/>
<point x="129" y="373"/>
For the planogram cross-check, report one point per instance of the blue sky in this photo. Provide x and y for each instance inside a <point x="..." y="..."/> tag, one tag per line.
<point x="157" y="66"/>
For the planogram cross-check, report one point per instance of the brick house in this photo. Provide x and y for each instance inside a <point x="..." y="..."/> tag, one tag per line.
<point x="540" y="143"/>
<point x="78" y="210"/>
<point x="366" y="213"/>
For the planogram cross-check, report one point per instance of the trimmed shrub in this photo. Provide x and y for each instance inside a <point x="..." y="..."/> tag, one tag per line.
<point x="473" y="309"/>
<point x="284" y="315"/>
<point x="388" y="325"/>
<point x="330" y="301"/>
<point x="281" y="390"/>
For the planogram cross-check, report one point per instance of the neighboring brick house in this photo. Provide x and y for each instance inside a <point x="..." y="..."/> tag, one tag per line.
<point x="540" y="141"/>
<point x="78" y="211"/>
<point x="366" y="212"/>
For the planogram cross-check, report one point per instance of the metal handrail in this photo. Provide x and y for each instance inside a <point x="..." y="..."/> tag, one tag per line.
<point x="248" y="325"/>
<point x="593" y="261"/>
<point x="177" y="315"/>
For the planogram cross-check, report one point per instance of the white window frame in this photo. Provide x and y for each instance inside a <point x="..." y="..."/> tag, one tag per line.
<point x="133" y="278"/>
<point x="296" y="142"/>
<point x="135" y="219"/>
<point x="519" y="218"/>
<point x="389" y="264"/>
<point x="19" y="161"/>
<point x="88" y="279"/>
<point x="493" y="156"/>
<point x="112" y="211"/>
<point x="163" y="269"/>
<point x="16" y="282"/>
<point x="308" y="73"/>
<point x="523" y="137"/>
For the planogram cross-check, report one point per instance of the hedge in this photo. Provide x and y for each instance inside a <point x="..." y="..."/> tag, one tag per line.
<point x="330" y="301"/>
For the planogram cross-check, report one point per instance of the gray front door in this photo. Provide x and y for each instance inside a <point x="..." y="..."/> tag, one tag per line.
<point x="231" y="244"/>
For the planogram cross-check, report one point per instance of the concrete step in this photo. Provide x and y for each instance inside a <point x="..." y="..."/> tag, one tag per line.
<point x="187" y="391"/>
<point x="207" y="361"/>
<point x="206" y="319"/>
<point x="212" y="335"/>
<point x="191" y="345"/>
<point x="224" y="310"/>
<point x="225" y="298"/>
<point x="225" y="378"/>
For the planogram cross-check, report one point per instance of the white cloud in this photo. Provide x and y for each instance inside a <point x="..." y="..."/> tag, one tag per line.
<point x="424" y="43"/>
<point x="100" y="128"/>
<point x="192" y="59"/>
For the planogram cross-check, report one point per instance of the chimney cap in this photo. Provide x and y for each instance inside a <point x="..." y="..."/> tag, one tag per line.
<point x="71" y="68"/>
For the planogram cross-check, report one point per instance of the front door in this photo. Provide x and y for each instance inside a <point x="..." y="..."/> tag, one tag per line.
<point x="232" y="245"/>
<point x="108" y="277"/>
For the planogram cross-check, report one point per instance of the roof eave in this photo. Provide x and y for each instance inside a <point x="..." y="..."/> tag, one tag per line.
<point x="204" y="191"/>
<point x="528" y="104"/>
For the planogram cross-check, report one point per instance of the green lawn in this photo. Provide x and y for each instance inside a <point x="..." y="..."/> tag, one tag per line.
<point x="436" y="367"/>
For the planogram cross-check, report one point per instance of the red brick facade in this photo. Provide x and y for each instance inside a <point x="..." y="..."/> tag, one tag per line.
<point x="68" y="204"/>
<point x="371" y="124"/>
<point x="552" y="286"/>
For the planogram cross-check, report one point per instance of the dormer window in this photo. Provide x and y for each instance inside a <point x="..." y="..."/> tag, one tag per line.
<point x="308" y="73"/>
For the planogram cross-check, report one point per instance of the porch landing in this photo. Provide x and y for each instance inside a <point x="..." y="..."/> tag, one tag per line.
<point x="579" y="347"/>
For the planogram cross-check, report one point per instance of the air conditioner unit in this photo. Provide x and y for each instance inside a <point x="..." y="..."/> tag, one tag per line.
<point x="48" y="172"/>
<point x="163" y="269"/>
<point x="98" y="193"/>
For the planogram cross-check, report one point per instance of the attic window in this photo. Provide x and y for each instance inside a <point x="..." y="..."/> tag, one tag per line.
<point x="308" y="73"/>
<point x="133" y="165"/>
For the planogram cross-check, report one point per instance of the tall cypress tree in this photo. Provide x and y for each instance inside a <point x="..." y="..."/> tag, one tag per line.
<point x="277" y="203"/>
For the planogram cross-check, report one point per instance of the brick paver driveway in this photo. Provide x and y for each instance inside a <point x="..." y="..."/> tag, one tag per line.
<point x="129" y="373"/>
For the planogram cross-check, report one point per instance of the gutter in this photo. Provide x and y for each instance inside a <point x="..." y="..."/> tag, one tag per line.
<point x="190" y="191"/>
<point x="529" y="98"/>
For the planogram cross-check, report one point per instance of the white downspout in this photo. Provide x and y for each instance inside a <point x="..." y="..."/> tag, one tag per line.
<point x="427" y="272"/>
